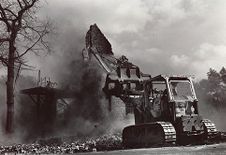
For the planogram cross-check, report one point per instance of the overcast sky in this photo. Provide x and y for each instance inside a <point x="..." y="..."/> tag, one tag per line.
<point x="167" y="36"/>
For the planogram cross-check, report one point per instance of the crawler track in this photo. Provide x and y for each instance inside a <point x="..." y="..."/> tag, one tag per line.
<point x="169" y="131"/>
<point x="211" y="130"/>
<point x="149" y="135"/>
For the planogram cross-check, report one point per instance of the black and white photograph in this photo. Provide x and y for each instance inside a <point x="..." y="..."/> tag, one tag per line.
<point x="115" y="77"/>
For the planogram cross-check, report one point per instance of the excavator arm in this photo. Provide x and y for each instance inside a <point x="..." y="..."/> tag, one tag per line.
<point x="87" y="52"/>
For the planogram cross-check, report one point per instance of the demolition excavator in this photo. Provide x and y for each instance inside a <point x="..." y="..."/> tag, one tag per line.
<point x="165" y="107"/>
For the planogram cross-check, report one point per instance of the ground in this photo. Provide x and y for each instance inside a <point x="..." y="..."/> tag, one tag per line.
<point x="218" y="149"/>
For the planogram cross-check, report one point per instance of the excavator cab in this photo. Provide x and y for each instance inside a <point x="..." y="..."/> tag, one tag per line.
<point x="174" y="95"/>
<point x="173" y="99"/>
<point x="183" y="94"/>
<point x="168" y="114"/>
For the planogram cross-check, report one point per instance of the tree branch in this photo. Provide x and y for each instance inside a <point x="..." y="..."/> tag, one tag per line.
<point x="20" y="4"/>
<point x="10" y="11"/>
<point x="4" y="39"/>
<point x="22" y="11"/>
<point x="28" y="49"/>
<point x="26" y="2"/>
<point x="4" y="18"/>
<point x="4" y="60"/>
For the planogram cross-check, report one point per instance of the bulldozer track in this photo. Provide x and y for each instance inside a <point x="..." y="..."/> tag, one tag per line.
<point x="211" y="130"/>
<point x="169" y="131"/>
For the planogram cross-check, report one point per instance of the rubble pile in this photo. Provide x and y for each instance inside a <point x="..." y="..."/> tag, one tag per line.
<point x="56" y="145"/>
<point x="109" y="142"/>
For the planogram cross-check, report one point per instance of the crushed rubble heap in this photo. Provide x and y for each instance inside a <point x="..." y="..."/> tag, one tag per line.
<point x="57" y="145"/>
<point x="71" y="145"/>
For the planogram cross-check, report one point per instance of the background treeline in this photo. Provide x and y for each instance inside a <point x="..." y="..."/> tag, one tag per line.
<point x="212" y="90"/>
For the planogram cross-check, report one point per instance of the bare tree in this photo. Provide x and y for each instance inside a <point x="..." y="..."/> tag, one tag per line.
<point x="21" y="32"/>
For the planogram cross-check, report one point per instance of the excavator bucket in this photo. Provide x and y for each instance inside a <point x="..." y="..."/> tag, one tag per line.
<point x="126" y="80"/>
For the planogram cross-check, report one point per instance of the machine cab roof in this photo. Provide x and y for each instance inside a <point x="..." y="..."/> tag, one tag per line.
<point x="179" y="88"/>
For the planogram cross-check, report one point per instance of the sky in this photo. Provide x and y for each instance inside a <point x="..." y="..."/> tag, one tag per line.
<point x="161" y="37"/>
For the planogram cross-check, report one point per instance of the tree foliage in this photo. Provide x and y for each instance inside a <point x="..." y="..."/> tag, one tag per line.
<point x="213" y="89"/>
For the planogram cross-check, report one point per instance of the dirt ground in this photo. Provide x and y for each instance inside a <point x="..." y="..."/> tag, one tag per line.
<point x="218" y="149"/>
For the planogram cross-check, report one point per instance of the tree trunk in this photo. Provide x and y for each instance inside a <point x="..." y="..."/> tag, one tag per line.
<point x="10" y="90"/>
